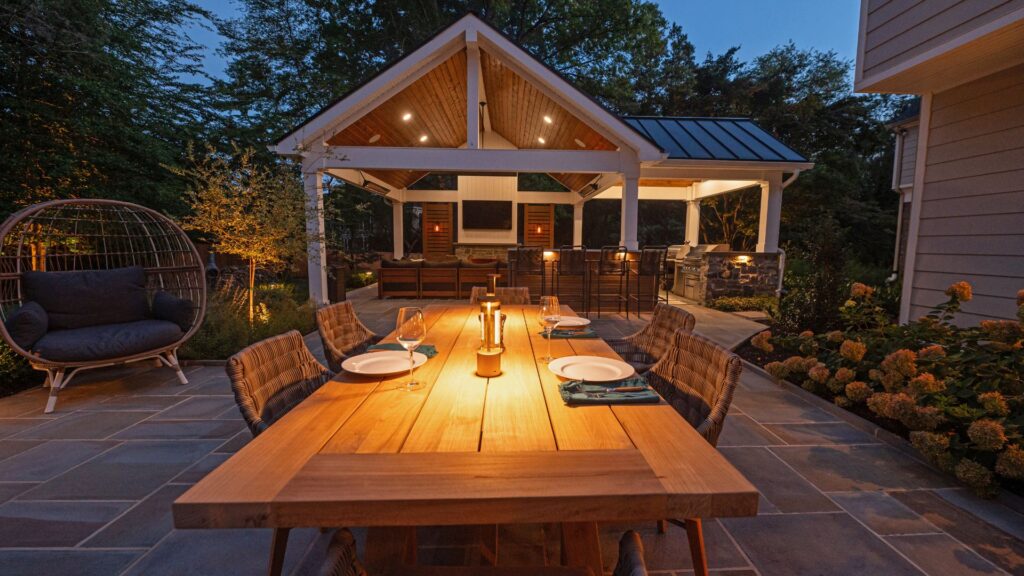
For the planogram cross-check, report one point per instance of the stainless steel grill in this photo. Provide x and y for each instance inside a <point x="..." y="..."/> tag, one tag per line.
<point x="689" y="266"/>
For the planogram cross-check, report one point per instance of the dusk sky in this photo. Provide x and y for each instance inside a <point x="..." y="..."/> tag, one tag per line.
<point x="712" y="25"/>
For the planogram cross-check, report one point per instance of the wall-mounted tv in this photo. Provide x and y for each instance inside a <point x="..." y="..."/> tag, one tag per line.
<point x="487" y="214"/>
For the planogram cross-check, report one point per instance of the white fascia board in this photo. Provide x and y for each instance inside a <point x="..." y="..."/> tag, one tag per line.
<point x="711" y="188"/>
<point x="469" y="160"/>
<point x="721" y="169"/>
<point x="681" y="193"/>
<point x="565" y="94"/>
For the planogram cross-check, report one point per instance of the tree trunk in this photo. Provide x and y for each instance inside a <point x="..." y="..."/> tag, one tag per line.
<point x="252" y="291"/>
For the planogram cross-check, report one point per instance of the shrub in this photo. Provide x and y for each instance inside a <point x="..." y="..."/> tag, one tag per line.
<point x="15" y="373"/>
<point x="957" y="392"/>
<point x="763" y="303"/>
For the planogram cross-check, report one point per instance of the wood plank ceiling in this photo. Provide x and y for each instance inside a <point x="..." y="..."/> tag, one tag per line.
<point x="435" y="106"/>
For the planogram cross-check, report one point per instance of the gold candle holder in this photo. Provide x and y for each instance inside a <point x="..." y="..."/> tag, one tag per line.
<point x="492" y="324"/>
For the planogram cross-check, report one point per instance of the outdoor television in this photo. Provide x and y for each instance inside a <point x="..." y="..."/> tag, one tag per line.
<point x="487" y="214"/>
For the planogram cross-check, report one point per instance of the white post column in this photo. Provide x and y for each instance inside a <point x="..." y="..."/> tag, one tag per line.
<point x="577" y="224"/>
<point x="398" y="229"/>
<point x="770" y="215"/>
<point x="316" y="251"/>
<point x="630" y="205"/>
<point x="692" y="230"/>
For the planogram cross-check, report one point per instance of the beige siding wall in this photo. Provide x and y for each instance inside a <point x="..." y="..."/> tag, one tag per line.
<point x="909" y="157"/>
<point x="972" y="213"/>
<point x="897" y="30"/>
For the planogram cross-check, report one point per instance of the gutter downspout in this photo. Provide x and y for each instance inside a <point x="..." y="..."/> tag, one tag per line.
<point x="782" y="253"/>
<point x="897" y="178"/>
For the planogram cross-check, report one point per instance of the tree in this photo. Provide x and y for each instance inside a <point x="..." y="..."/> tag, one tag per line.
<point x="97" y="97"/>
<point x="252" y="210"/>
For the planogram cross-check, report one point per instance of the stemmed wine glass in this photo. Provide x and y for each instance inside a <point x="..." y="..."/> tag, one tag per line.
<point x="410" y="332"/>
<point x="549" y="316"/>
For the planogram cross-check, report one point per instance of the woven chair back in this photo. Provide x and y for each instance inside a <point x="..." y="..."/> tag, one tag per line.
<point x="342" y="333"/>
<point x="652" y="260"/>
<point x="612" y="260"/>
<point x="698" y="378"/>
<point x="529" y="260"/>
<point x="271" y="376"/>
<point x="506" y="295"/>
<point x="657" y="337"/>
<point x="572" y="260"/>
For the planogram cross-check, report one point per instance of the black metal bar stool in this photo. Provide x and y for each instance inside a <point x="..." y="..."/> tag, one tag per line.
<point x="528" y="269"/>
<point x="648" y="275"/>
<point x="571" y="277"/>
<point x="612" y="264"/>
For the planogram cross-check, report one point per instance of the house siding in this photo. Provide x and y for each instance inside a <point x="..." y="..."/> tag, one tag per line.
<point x="972" y="213"/>
<point x="908" y="157"/>
<point x="897" y="30"/>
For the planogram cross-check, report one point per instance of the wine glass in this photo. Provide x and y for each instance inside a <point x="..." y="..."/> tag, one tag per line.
<point x="549" y="315"/>
<point x="410" y="332"/>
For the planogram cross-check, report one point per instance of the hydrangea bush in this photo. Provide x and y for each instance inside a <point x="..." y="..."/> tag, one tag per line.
<point x="957" y="393"/>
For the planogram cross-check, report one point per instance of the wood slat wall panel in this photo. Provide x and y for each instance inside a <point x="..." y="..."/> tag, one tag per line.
<point x="437" y="244"/>
<point x="542" y="216"/>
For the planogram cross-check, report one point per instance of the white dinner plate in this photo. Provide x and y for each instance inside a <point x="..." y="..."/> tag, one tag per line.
<point x="591" y="368"/>
<point x="573" y="322"/>
<point x="382" y="363"/>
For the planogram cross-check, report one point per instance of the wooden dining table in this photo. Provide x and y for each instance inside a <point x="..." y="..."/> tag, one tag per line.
<point x="468" y="450"/>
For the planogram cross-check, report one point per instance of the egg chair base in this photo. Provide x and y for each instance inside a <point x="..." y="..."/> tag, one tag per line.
<point x="58" y="377"/>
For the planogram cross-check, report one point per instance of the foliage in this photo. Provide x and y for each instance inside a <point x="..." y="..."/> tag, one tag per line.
<point x="814" y="281"/>
<point x="250" y="210"/>
<point x="360" y="279"/>
<point x="957" y="392"/>
<point x="226" y="328"/>
<point x="15" y="372"/>
<point x="97" y="96"/>
<point x="764" y="303"/>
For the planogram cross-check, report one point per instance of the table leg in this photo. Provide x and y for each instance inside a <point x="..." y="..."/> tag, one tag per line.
<point x="389" y="546"/>
<point x="487" y="536"/>
<point x="278" y="546"/>
<point x="581" y="546"/>
<point x="695" y="535"/>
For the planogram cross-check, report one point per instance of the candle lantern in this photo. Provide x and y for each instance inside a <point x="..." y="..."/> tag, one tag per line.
<point x="492" y="324"/>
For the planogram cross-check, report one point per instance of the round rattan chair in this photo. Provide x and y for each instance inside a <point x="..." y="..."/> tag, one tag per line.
<point x="83" y="243"/>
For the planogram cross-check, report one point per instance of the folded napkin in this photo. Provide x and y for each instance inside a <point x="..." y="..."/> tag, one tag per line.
<point x="427" y="350"/>
<point x="558" y="333"/>
<point x="579" y="392"/>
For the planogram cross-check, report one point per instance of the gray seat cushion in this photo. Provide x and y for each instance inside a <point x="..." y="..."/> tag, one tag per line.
<point x="89" y="297"/>
<point x="107" y="342"/>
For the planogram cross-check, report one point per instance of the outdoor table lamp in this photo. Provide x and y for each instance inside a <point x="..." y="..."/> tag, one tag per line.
<point x="492" y="324"/>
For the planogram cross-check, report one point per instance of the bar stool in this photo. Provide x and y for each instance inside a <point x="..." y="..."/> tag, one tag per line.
<point x="527" y="267"/>
<point x="649" y="272"/>
<point x="612" y="263"/>
<point x="572" y="266"/>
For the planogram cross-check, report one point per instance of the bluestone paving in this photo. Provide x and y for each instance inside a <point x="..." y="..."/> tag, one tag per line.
<point x="833" y="499"/>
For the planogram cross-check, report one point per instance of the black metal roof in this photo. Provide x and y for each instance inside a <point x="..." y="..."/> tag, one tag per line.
<point x="685" y="138"/>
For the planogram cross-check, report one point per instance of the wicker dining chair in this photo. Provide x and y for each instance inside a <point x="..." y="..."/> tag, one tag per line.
<point x="342" y="333"/>
<point x="646" y="346"/>
<point x="507" y="295"/>
<point x="697" y="378"/>
<point x="271" y="376"/>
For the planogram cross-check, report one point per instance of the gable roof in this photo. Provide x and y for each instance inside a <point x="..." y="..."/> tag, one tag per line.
<point x="700" y="138"/>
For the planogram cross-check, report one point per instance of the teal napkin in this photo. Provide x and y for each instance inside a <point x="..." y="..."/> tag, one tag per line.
<point x="564" y="333"/>
<point x="576" y="392"/>
<point x="427" y="350"/>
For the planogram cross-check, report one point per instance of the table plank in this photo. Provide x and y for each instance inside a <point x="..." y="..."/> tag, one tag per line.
<point x="575" y="427"/>
<point x="515" y="413"/>
<point x="451" y="417"/>
<point x="383" y="421"/>
<point x="471" y="487"/>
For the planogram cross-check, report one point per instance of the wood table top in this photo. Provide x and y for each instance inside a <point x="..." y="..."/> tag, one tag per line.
<point x="464" y="449"/>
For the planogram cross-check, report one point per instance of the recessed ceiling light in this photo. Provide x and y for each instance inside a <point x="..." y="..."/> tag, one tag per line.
<point x="541" y="140"/>
<point x="579" y="143"/>
<point x="374" y="138"/>
<point x="423" y="138"/>
<point x="548" y="119"/>
<point x="407" y="116"/>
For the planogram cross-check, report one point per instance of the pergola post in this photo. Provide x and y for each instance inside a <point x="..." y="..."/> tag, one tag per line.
<point x="577" y="224"/>
<point x="397" y="230"/>
<point x="316" y="251"/>
<point x="692" y="230"/>
<point x="770" y="214"/>
<point x="630" y="208"/>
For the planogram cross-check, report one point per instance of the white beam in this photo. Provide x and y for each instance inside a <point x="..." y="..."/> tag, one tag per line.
<point x="718" y="170"/>
<point x="316" y="252"/>
<point x="648" y="193"/>
<point x="398" y="229"/>
<point x="630" y="205"/>
<point x="770" y="216"/>
<point x="577" y="224"/>
<point x="472" y="90"/>
<point x="468" y="160"/>
<point x="710" y="188"/>
<point x="692" y="230"/>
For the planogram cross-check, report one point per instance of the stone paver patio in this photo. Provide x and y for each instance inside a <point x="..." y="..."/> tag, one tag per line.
<point x="87" y="490"/>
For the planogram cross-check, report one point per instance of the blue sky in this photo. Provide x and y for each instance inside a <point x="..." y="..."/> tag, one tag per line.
<point x="756" y="26"/>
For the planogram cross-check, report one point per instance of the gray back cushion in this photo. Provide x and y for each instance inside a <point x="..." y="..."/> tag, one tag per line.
<point x="90" y="297"/>
<point x="27" y="325"/>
